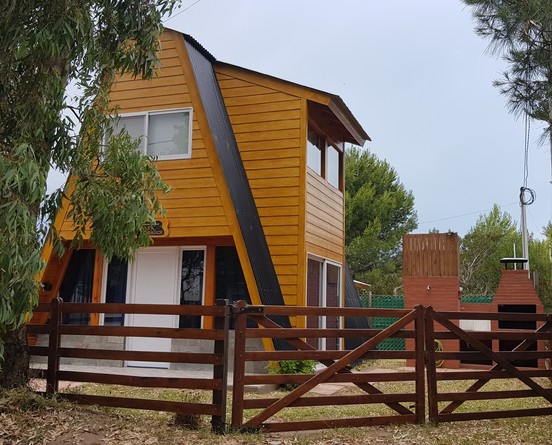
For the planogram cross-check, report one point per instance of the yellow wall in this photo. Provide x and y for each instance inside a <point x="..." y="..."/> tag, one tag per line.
<point x="325" y="219"/>
<point x="299" y="211"/>
<point x="268" y="126"/>
<point x="194" y="206"/>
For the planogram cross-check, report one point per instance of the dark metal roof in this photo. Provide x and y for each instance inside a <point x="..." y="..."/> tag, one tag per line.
<point x="236" y="179"/>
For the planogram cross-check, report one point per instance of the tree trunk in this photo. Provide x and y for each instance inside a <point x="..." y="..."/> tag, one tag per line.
<point x="14" y="370"/>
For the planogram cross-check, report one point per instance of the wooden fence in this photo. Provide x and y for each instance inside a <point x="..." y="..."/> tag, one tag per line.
<point x="218" y="358"/>
<point x="337" y="365"/>
<point x="422" y="325"/>
<point x="505" y="353"/>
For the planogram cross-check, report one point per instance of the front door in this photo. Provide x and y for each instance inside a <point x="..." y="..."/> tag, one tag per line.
<point x="154" y="280"/>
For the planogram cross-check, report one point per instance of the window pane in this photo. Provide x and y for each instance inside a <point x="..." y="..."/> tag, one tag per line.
<point x="115" y="290"/>
<point x="168" y="134"/>
<point x="314" y="297"/>
<point x="333" y="299"/>
<point x="332" y="175"/>
<point x="230" y="281"/>
<point x="134" y="125"/>
<point x="77" y="283"/>
<point x="315" y="145"/>
<point x="191" y="287"/>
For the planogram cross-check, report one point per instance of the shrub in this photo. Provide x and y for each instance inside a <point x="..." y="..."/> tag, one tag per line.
<point x="293" y="367"/>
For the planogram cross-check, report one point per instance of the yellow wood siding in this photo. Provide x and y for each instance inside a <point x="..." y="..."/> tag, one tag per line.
<point x="267" y="124"/>
<point x="325" y="219"/>
<point x="193" y="206"/>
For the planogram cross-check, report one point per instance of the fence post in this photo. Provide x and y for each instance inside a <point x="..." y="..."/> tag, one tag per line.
<point x="431" y="367"/>
<point x="52" y="382"/>
<point x="220" y="372"/>
<point x="240" y="326"/>
<point x="419" y="327"/>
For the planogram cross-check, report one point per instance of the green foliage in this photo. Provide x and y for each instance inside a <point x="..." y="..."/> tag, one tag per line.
<point x="541" y="262"/>
<point x="379" y="211"/>
<point x="521" y="31"/>
<point x="44" y="45"/>
<point x="293" y="367"/>
<point x="491" y="238"/>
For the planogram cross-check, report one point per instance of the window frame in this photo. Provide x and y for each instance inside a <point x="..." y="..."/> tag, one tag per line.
<point x="328" y="143"/>
<point x="323" y="293"/>
<point x="179" y="293"/>
<point x="143" y="147"/>
<point x="105" y="271"/>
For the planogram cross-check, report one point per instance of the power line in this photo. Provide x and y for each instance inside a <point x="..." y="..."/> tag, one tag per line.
<point x="184" y="10"/>
<point x="465" y="214"/>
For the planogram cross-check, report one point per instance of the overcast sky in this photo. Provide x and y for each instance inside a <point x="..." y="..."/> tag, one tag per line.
<point x="416" y="77"/>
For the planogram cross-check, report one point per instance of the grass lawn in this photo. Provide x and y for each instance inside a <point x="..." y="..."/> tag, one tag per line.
<point x="29" y="419"/>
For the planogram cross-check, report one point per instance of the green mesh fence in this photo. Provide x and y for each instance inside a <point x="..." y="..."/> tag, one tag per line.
<point x="385" y="302"/>
<point x="476" y="299"/>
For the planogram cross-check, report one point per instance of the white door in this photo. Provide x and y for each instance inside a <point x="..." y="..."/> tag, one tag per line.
<point x="154" y="280"/>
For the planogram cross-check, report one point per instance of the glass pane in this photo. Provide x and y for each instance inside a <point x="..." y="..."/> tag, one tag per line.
<point x="333" y="167"/>
<point x="77" y="283"/>
<point x="314" y="297"/>
<point x="333" y="299"/>
<point x="191" y="288"/>
<point x="229" y="278"/>
<point x="314" y="151"/>
<point x="230" y="281"/>
<point x="168" y="134"/>
<point x="134" y="125"/>
<point x="314" y="158"/>
<point x="115" y="290"/>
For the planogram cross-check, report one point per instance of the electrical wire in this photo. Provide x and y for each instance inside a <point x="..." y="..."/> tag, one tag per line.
<point x="526" y="154"/>
<point x="478" y="212"/>
<point x="525" y="200"/>
<point x="180" y="12"/>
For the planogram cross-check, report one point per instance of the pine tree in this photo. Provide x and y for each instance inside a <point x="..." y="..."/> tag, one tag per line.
<point x="521" y="31"/>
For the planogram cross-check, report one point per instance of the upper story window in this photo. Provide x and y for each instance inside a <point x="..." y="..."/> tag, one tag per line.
<point x="325" y="157"/>
<point x="315" y="151"/>
<point x="164" y="134"/>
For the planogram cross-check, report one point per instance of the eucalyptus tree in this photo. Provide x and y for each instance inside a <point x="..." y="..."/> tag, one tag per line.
<point x="521" y="31"/>
<point x="44" y="46"/>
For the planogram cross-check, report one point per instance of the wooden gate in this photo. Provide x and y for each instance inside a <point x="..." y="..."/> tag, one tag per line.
<point x="483" y="346"/>
<point x="335" y="367"/>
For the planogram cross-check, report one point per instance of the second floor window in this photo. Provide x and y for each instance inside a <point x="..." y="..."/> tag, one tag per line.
<point x="164" y="134"/>
<point x="325" y="158"/>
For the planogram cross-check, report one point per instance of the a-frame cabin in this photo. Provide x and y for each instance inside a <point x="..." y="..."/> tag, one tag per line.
<point x="256" y="209"/>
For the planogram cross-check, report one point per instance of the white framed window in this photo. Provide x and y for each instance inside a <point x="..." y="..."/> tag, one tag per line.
<point x="165" y="134"/>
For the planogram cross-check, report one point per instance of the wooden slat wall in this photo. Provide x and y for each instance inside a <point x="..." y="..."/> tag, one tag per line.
<point x="267" y="126"/>
<point x="325" y="219"/>
<point x="193" y="207"/>
<point x="431" y="255"/>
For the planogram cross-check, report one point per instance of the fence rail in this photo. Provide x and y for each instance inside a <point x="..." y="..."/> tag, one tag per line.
<point x="514" y="353"/>
<point x="336" y="367"/>
<point x="216" y="383"/>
